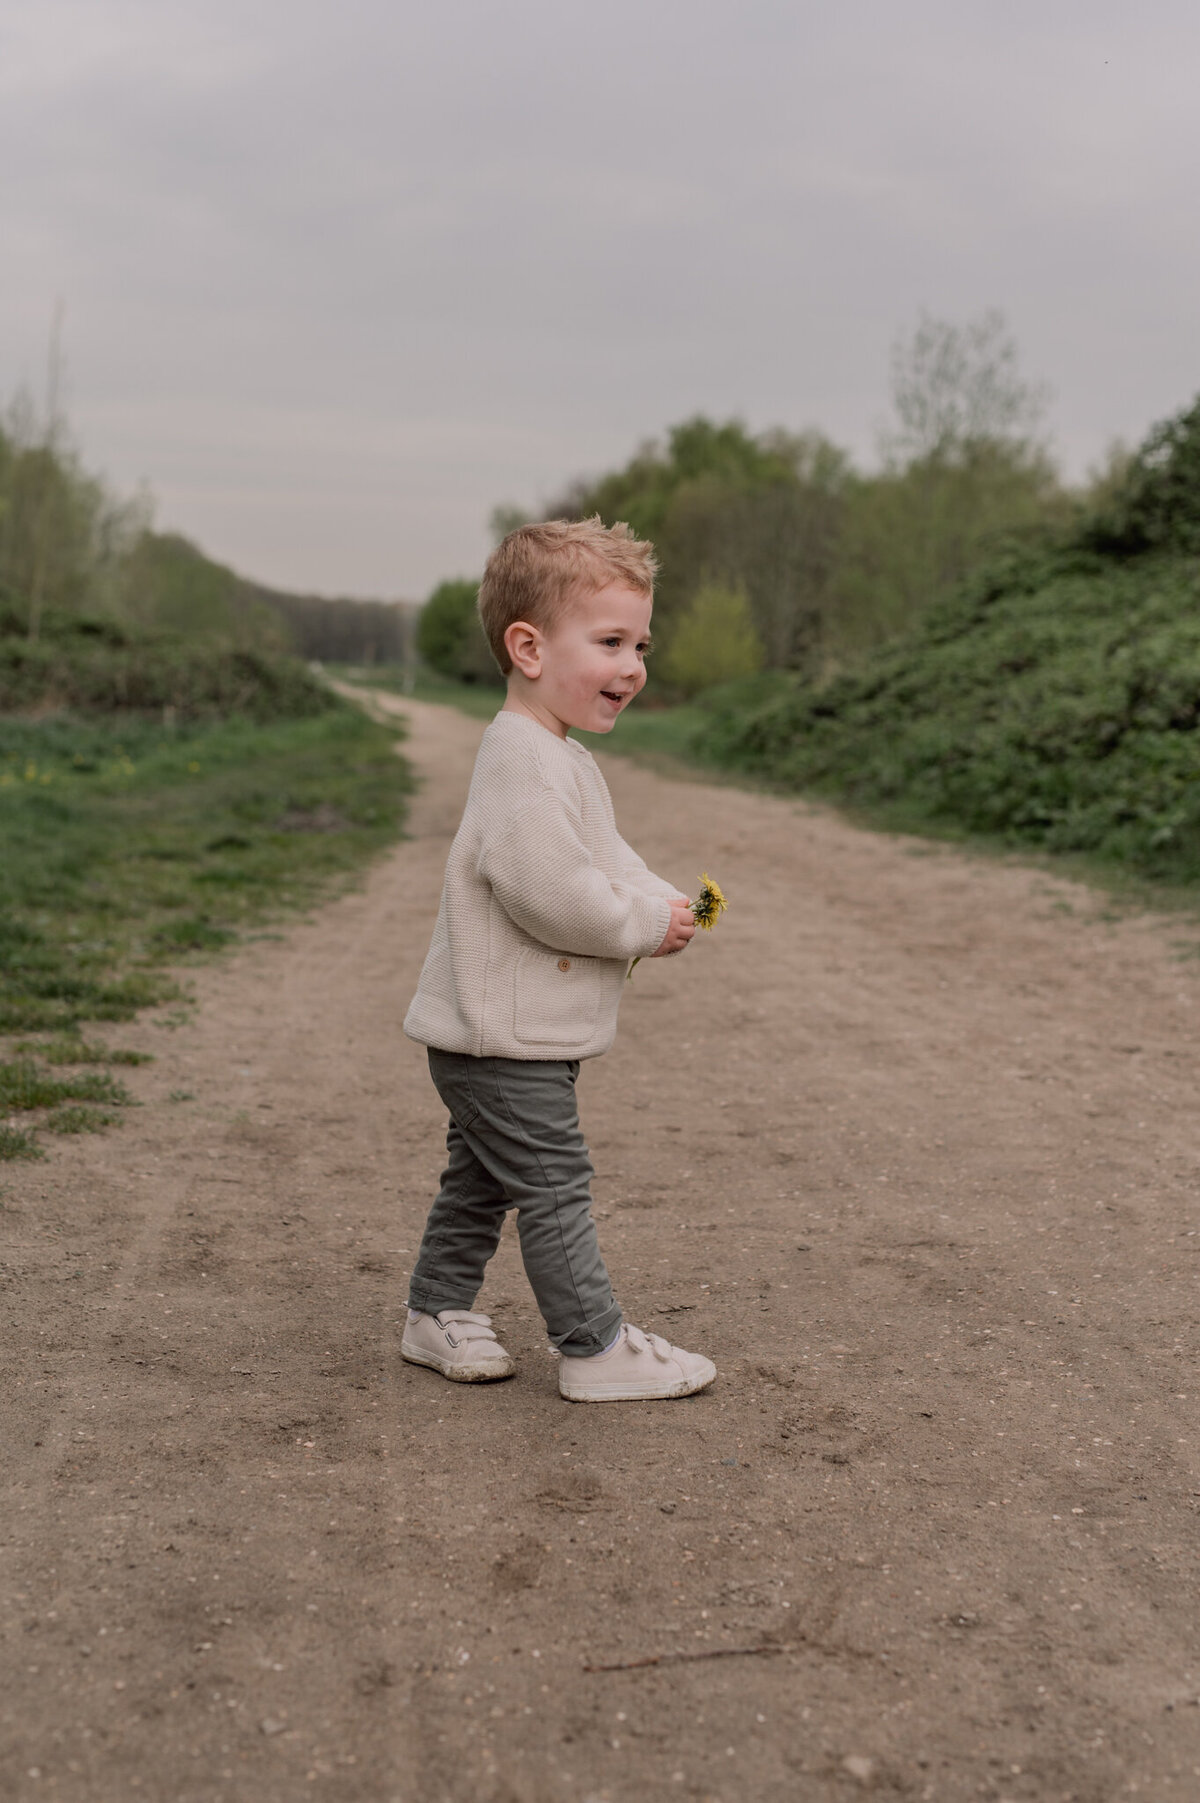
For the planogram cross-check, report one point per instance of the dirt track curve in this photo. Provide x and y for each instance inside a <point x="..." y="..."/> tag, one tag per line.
<point x="909" y="1145"/>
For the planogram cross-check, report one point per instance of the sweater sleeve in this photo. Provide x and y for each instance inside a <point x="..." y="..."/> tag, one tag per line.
<point x="636" y="872"/>
<point x="542" y="874"/>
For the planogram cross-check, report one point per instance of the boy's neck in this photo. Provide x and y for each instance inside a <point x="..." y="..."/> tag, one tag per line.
<point x="527" y="707"/>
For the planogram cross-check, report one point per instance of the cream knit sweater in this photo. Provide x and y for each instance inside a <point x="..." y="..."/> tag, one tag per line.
<point x="542" y="908"/>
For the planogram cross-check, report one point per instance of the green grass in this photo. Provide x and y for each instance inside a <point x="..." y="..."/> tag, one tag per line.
<point x="23" y="1085"/>
<point x="154" y="843"/>
<point x="78" y="1120"/>
<point x="72" y="1050"/>
<point x="26" y="1088"/>
<point x="129" y="846"/>
<point x="662" y="737"/>
<point x="480" y="700"/>
<point x="19" y="1142"/>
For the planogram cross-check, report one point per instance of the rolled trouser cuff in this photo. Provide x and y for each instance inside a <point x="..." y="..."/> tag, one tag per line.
<point x="593" y="1336"/>
<point x="429" y="1302"/>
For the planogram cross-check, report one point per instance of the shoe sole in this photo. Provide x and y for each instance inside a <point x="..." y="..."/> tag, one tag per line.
<point x="460" y="1374"/>
<point x="688" y="1386"/>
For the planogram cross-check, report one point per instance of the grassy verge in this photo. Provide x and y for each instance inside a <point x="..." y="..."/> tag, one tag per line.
<point x="130" y="846"/>
<point x="662" y="737"/>
<point x="480" y="700"/>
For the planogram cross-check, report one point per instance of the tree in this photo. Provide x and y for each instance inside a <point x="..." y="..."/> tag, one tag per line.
<point x="831" y="562"/>
<point x="1155" y="503"/>
<point x="505" y="519"/>
<point x="775" y="540"/>
<point x="957" y="387"/>
<point x="963" y="469"/>
<point x="757" y="513"/>
<point x="64" y="538"/>
<point x="450" y="638"/>
<point x="696" y="450"/>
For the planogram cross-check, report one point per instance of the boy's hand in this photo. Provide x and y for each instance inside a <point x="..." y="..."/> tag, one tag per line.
<point x="681" y="929"/>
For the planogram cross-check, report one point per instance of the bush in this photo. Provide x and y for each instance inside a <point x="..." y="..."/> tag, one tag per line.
<point x="715" y="641"/>
<point x="1055" y="702"/>
<point x="450" y="638"/>
<point x="97" y="664"/>
<point x="1157" y="508"/>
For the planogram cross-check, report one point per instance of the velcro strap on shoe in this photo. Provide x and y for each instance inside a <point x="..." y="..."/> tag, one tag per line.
<point x="467" y="1326"/>
<point x="640" y="1341"/>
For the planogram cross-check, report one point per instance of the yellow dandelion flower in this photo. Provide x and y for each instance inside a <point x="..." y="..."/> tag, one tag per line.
<point x="707" y="908"/>
<point x="709" y="905"/>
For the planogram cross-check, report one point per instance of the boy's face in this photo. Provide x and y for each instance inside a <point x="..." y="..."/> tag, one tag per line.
<point x="589" y="665"/>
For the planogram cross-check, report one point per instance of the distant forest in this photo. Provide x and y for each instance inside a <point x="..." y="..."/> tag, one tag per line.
<point x="343" y="631"/>
<point x="71" y="551"/>
<point x="777" y="553"/>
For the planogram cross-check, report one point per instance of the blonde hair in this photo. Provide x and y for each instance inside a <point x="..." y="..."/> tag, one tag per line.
<point x="537" y="571"/>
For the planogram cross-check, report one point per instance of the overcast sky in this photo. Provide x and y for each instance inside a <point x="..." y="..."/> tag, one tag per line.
<point x="338" y="278"/>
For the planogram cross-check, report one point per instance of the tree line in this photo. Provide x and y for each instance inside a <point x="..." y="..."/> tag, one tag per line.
<point x="78" y="560"/>
<point x="777" y="553"/>
<point x="1052" y="700"/>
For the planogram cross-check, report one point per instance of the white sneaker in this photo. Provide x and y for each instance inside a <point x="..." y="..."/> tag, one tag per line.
<point x="640" y="1367"/>
<point x="459" y="1344"/>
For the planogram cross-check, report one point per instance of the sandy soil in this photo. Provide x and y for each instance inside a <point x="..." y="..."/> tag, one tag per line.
<point x="909" y="1146"/>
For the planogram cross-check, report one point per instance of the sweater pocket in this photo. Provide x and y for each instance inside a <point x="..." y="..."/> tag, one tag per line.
<point x="556" y="997"/>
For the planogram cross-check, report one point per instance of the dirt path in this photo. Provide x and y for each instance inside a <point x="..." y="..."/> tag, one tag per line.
<point x="910" y="1146"/>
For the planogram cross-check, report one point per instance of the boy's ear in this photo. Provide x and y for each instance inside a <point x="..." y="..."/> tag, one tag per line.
<point x="523" y="643"/>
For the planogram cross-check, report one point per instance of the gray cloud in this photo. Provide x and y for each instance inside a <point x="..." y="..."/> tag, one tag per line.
<point x="338" y="278"/>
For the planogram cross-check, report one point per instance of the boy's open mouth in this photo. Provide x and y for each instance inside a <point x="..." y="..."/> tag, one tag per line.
<point x="609" y="695"/>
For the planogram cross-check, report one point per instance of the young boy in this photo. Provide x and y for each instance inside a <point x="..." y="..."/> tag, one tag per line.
<point x="544" y="906"/>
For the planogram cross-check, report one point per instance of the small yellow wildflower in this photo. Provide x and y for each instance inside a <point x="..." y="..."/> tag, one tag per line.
<point x="709" y="905"/>
<point x="707" y="908"/>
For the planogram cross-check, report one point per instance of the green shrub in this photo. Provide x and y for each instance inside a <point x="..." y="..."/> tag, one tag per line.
<point x="451" y="640"/>
<point x="1055" y="702"/>
<point x="1157" y="507"/>
<point x="715" y="641"/>
<point x="98" y="664"/>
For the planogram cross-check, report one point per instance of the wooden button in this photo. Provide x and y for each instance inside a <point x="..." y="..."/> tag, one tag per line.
<point x="564" y="964"/>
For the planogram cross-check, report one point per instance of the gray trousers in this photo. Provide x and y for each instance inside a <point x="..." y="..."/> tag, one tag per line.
<point x="514" y="1142"/>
